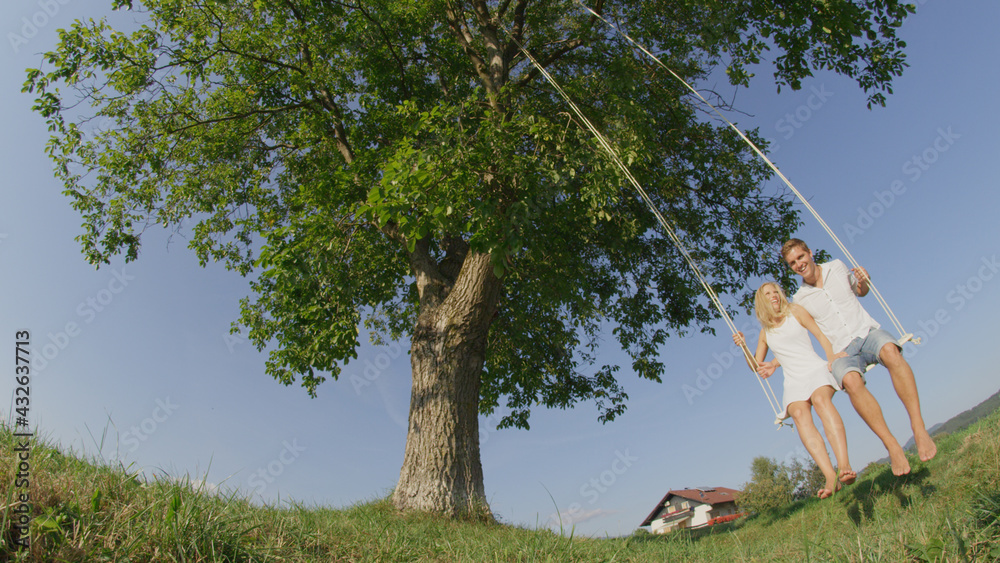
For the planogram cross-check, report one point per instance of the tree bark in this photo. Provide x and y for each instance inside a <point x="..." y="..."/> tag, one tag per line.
<point x="442" y="471"/>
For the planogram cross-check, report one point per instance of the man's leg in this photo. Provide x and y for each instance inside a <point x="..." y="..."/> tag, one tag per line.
<point x="906" y="387"/>
<point x="866" y="405"/>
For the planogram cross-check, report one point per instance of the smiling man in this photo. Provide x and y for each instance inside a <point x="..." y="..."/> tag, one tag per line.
<point x="830" y="293"/>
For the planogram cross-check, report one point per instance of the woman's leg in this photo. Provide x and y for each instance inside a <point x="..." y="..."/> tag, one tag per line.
<point x="801" y="413"/>
<point x="833" y="427"/>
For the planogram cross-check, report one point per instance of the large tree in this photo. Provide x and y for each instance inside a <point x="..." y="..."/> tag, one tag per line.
<point x="402" y="167"/>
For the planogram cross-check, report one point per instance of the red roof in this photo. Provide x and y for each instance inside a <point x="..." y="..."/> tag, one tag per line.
<point x="707" y="496"/>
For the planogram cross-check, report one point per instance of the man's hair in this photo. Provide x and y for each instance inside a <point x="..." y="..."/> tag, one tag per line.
<point x="791" y="245"/>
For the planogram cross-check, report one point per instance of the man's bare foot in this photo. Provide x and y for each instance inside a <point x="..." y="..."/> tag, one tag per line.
<point x="847" y="476"/>
<point x="900" y="465"/>
<point x="926" y="448"/>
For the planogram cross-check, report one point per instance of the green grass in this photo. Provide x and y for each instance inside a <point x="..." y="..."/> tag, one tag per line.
<point x="946" y="510"/>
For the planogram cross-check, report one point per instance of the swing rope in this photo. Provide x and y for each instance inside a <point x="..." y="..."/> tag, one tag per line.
<point x="904" y="336"/>
<point x="606" y="145"/>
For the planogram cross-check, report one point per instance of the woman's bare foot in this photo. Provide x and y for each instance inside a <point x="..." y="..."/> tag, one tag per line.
<point x="926" y="448"/>
<point x="847" y="476"/>
<point x="832" y="486"/>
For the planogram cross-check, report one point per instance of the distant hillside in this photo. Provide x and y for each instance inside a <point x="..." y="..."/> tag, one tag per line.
<point x="961" y="420"/>
<point x="957" y="422"/>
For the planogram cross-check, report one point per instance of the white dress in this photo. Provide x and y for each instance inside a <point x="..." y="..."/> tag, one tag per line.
<point x="803" y="369"/>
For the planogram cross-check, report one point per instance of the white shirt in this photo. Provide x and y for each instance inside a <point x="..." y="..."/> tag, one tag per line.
<point x="835" y="306"/>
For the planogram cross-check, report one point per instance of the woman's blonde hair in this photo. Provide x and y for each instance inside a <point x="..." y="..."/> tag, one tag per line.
<point x="766" y="314"/>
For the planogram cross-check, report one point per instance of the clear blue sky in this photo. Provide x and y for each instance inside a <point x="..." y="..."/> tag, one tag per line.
<point x="141" y="352"/>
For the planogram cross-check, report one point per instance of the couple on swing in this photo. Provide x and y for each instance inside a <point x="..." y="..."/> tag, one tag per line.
<point x="827" y="306"/>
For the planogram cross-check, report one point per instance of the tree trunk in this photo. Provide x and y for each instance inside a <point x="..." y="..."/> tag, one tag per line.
<point x="441" y="469"/>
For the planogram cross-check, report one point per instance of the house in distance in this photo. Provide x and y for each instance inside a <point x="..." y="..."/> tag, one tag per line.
<point x="692" y="508"/>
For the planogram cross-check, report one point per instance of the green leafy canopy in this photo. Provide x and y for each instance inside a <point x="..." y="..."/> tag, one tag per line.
<point x="336" y="150"/>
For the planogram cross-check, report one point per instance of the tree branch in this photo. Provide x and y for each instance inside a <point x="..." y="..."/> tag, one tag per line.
<point x="396" y="55"/>
<point x="561" y="52"/>
<point x="226" y="48"/>
<point x="494" y="48"/>
<point x="465" y="39"/>
<point x="339" y="132"/>
<point x="456" y="249"/>
<point x="432" y="285"/>
<point x="198" y="122"/>
<point x="517" y="30"/>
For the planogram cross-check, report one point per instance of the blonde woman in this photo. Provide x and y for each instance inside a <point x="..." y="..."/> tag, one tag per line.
<point x="785" y="329"/>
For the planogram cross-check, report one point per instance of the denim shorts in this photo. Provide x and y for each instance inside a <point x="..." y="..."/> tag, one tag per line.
<point x="861" y="352"/>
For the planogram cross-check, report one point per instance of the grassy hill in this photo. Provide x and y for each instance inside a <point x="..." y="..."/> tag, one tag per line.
<point x="948" y="509"/>
<point x="958" y="422"/>
<point x="962" y="419"/>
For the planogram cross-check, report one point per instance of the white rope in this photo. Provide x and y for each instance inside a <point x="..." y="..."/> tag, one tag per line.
<point x="606" y="145"/>
<point x="904" y="336"/>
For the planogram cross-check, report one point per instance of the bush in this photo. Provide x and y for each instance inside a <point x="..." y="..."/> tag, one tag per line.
<point x="774" y="484"/>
